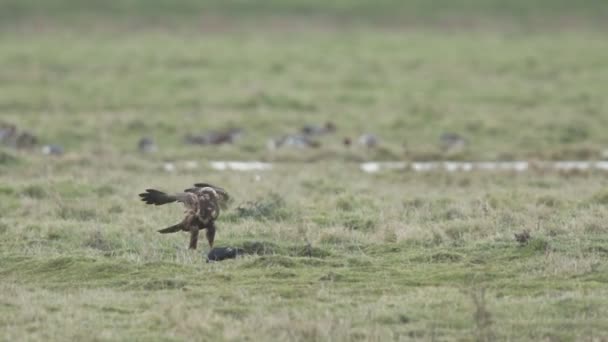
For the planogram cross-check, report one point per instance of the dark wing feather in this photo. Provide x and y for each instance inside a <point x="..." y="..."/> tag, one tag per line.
<point x="156" y="197"/>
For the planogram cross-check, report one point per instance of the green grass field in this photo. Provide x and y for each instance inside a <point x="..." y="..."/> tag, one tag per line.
<point x="334" y="254"/>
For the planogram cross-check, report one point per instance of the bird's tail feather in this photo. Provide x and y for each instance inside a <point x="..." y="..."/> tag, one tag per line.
<point x="172" y="229"/>
<point x="156" y="197"/>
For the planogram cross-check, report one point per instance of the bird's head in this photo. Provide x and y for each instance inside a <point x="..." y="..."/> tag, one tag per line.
<point x="210" y="191"/>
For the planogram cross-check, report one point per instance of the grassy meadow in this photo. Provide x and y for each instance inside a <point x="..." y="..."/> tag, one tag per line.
<point x="332" y="253"/>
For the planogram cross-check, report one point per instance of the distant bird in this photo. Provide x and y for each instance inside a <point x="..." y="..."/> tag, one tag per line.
<point x="52" y="150"/>
<point x="12" y="137"/>
<point x="522" y="237"/>
<point x="452" y="142"/>
<point x="147" y="145"/>
<point x="214" y="137"/>
<point x="368" y="140"/>
<point x="203" y="203"/>
<point x="327" y="128"/>
<point x="7" y="132"/>
<point x="26" y="140"/>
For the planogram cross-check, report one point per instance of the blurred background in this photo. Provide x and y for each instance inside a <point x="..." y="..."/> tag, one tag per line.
<point x="102" y="99"/>
<point x="304" y="80"/>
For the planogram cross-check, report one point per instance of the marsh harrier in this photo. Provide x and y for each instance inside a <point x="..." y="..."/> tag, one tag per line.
<point x="203" y="203"/>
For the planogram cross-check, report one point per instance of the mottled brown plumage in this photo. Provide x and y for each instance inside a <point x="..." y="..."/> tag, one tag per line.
<point x="203" y="203"/>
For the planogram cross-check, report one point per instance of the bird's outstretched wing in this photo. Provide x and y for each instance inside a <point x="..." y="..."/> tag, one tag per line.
<point x="156" y="197"/>
<point x="224" y="198"/>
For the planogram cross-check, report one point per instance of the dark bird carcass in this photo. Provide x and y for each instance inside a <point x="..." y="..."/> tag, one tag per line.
<point x="203" y="203"/>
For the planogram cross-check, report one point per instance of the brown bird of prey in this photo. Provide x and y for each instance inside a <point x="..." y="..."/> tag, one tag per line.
<point x="203" y="203"/>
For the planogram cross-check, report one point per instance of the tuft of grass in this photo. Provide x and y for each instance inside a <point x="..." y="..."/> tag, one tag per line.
<point x="6" y="190"/>
<point x="334" y="238"/>
<point x="549" y="201"/>
<point x="35" y="191"/>
<point x="105" y="190"/>
<point x="537" y="245"/>
<point x="8" y="159"/>
<point x="358" y="221"/>
<point x="234" y="312"/>
<point x="259" y="247"/>
<point x="269" y="208"/>
<point x="445" y="257"/>
<point x="269" y="248"/>
<point x="161" y="284"/>
<point x="97" y="241"/>
<point x="115" y="209"/>
<point x="332" y="277"/>
<point x="271" y="261"/>
<point x="600" y="197"/>
<point x="308" y="251"/>
<point x="395" y="318"/>
<point x="482" y="316"/>
<point x="70" y="212"/>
